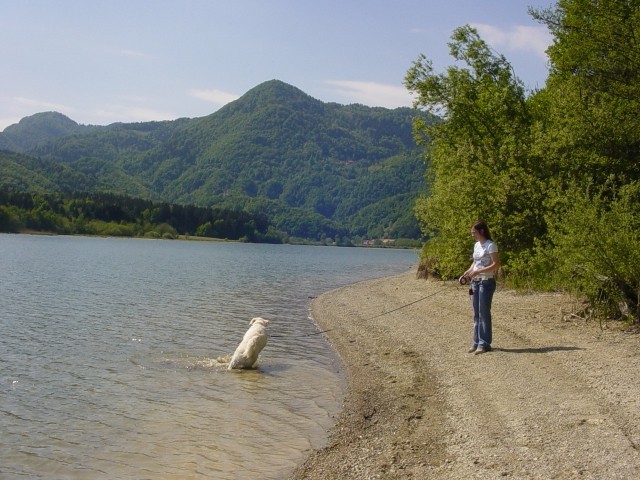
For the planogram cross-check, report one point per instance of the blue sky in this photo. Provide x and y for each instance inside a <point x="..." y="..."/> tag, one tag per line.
<point x="100" y="62"/>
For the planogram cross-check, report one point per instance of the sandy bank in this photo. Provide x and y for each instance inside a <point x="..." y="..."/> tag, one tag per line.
<point x="555" y="399"/>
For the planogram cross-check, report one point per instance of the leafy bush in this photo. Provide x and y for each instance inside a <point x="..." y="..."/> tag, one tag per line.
<point x="111" y="229"/>
<point x="9" y="219"/>
<point x="597" y="248"/>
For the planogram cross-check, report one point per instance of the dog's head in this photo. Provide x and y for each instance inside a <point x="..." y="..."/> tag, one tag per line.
<point x="260" y="321"/>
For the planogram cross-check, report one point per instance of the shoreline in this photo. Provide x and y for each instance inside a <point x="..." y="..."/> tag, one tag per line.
<point x="550" y="401"/>
<point x="195" y="238"/>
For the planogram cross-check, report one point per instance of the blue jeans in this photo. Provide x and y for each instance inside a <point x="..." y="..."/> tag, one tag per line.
<point x="482" y="296"/>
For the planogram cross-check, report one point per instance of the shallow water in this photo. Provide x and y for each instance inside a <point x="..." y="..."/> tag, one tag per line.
<point x="109" y="355"/>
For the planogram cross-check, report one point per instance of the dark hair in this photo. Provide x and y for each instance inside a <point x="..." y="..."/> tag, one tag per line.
<point x="481" y="226"/>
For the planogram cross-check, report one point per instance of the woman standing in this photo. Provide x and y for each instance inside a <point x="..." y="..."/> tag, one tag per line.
<point x="486" y="263"/>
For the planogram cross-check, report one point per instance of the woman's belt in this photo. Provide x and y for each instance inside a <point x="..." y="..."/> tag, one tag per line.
<point x="483" y="276"/>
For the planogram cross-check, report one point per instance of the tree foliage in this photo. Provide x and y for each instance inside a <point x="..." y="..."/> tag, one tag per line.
<point x="596" y="252"/>
<point x="114" y="215"/>
<point x="478" y="155"/>
<point x="591" y="139"/>
<point x="592" y="126"/>
<point x="555" y="172"/>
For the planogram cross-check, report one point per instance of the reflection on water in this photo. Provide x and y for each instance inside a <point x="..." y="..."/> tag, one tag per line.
<point x="110" y="356"/>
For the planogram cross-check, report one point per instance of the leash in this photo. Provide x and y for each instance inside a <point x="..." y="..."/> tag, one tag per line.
<point x="370" y="318"/>
<point x="301" y="336"/>
<point x="407" y="305"/>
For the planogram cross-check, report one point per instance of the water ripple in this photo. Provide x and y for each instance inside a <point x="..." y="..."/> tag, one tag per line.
<point x="109" y="355"/>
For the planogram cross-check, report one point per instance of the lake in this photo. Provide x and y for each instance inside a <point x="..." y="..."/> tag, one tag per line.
<point x="110" y="356"/>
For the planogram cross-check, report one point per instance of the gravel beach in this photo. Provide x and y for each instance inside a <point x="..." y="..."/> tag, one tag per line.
<point x="558" y="397"/>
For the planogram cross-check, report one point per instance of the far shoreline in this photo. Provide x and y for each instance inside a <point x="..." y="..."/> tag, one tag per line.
<point x="194" y="238"/>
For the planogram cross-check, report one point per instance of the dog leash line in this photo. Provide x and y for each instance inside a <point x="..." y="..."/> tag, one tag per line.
<point x="302" y="336"/>
<point x="407" y="305"/>
<point x="370" y="318"/>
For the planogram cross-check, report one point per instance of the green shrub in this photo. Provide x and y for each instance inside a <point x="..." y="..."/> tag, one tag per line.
<point x="597" y="248"/>
<point x="111" y="229"/>
<point x="10" y="219"/>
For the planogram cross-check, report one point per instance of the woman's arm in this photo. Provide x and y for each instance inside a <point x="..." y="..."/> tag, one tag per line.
<point x="469" y="270"/>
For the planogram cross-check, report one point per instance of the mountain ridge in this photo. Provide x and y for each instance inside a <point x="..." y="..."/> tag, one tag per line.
<point x="274" y="149"/>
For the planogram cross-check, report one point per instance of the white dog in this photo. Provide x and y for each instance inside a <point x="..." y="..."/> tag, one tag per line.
<point x="254" y="340"/>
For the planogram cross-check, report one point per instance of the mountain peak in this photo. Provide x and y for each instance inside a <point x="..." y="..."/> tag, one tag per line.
<point x="277" y="86"/>
<point x="277" y="91"/>
<point x="39" y="128"/>
<point x="51" y="119"/>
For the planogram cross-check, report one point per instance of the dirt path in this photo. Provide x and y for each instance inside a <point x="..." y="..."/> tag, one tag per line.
<point x="555" y="399"/>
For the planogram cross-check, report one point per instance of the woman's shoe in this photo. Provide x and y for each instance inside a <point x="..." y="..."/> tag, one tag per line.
<point x="471" y="350"/>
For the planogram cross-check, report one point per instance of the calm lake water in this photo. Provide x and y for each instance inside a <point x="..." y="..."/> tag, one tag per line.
<point x="109" y="348"/>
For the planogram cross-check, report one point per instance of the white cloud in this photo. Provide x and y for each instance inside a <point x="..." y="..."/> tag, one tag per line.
<point x="126" y="114"/>
<point x="518" y="38"/>
<point x="371" y="93"/>
<point x="217" y="97"/>
<point x="132" y="53"/>
<point x="128" y="53"/>
<point x="42" y="104"/>
<point x="16" y="108"/>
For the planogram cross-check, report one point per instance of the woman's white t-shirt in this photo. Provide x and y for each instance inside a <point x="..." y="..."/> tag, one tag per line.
<point x="482" y="256"/>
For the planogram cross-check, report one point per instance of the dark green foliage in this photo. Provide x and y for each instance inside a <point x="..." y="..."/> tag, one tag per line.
<point x="597" y="252"/>
<point x="114" y="215"/>
<point x="294" y="221"/>
<point x="20" y="172"/>
<point x="591" y="142"/>
<point x="592" y="96"/>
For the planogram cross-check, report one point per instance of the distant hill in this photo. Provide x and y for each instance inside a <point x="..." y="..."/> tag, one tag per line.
<point x="275" y="150"/>
<point x="38" y="129"/>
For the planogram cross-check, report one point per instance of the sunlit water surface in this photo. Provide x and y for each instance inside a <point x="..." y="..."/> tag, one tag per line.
<point x="109" y="355"/>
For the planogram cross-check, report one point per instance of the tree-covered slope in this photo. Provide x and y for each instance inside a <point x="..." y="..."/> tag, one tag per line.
<point x="280" y="144"/>
<point x="275" y="144"/>
<point x="22" y="173"/>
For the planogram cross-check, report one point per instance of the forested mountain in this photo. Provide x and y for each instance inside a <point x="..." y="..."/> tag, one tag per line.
<point x="311" y="166"/>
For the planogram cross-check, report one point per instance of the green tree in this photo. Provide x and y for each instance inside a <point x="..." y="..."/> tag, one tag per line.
<point x="597" y="252"/>
<point x="591" y="127"/>
<point x="588" y="134"/>
<point x="477" y="156"/>
<point x="9" y="219"/>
